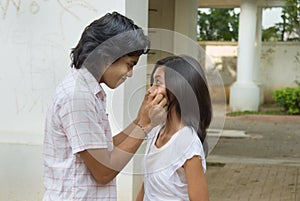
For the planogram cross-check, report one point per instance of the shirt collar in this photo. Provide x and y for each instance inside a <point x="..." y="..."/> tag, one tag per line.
<point x="93" y="83"/>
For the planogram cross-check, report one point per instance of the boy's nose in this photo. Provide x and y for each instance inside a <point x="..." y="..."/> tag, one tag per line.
<point x="129" y="73"/>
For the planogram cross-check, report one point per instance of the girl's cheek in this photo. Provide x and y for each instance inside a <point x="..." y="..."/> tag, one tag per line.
<point x="157" y="90"/>
<point x="161" y="90"/>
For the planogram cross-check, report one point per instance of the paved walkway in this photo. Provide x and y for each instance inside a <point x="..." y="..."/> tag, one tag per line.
<point x="262" y="167"/>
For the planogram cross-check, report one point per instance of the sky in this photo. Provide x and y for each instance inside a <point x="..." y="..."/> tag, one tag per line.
<point x="270" y="16"/>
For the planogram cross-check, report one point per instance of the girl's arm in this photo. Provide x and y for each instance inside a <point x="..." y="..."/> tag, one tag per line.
<point x="196" y="180"/>
<point x="140" y="195"/>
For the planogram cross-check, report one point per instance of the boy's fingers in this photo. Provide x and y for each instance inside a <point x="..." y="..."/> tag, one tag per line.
<point x="158" y="98"/>
<point x="163" y="102"/>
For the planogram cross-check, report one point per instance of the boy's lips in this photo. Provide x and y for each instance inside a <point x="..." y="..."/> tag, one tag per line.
<point x="122" y="80"/>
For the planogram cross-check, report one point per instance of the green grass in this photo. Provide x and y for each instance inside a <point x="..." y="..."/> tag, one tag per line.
<point x="266" y="109"/>
<point x="256" y="113"/>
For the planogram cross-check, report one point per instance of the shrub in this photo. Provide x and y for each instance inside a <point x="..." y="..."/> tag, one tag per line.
<point x="289" y="99"/>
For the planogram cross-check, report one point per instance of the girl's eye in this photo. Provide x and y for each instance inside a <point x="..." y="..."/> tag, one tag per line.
<point x="157" y="82"/>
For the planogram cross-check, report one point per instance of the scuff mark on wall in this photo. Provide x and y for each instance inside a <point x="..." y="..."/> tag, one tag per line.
<point x="268" y="55"/>
<point x="297" y="58"/>
<point x="5" y="6"/>
<point x="34" y="6"/>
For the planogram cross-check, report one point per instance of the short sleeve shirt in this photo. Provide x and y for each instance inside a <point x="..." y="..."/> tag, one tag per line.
<point x="76" y="121"/>
<point x="164" y="177"/>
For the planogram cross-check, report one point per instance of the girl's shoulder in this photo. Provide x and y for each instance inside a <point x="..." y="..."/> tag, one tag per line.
<point x="188" y="134"/>
<point x="189" y="142"/>
<point x="189" y="145"/>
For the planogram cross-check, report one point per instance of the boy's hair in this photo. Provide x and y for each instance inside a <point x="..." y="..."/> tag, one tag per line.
<point x="187" y="91"/>
<point x="125" y="38"/>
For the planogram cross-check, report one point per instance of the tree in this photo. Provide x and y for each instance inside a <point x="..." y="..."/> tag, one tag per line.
<point x="271" y="34"/>
<point x="289" y="28"/>
<point x="222" y="24"/>
<point x="218" y="25"/>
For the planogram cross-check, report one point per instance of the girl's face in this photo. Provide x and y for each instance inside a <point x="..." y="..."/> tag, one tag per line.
<point x="159" y="81"/>
<point x="119" y="71"/>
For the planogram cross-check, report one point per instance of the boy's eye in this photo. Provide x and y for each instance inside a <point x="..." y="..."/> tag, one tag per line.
<point x="130" y="66"/>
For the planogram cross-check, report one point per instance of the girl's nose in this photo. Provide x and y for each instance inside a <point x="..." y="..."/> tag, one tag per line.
<point x="152" y="89"/>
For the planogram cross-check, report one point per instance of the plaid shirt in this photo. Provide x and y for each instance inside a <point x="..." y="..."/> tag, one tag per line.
<point x="76" y="121"/>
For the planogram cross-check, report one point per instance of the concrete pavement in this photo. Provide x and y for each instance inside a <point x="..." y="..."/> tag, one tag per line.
<point x="264" y="166"/>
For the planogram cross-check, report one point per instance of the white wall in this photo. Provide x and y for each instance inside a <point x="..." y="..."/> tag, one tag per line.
<point x="36" y="38"/>
<point x="280" y="66"/>
<point x="21" y="172"/>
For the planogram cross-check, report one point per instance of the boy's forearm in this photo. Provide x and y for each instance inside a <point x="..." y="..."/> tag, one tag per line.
<point x="105" y="165"/>
<point x="119" y="138"/>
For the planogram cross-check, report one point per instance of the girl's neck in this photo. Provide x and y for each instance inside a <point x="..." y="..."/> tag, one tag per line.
<point x="172" y="125"/>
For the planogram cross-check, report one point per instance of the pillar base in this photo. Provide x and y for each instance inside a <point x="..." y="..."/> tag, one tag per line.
<point x="261" y="93"/>
<point x="244" y="97"/>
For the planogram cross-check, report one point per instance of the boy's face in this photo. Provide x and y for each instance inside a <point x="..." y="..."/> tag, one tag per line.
<point x="118" y="71"/>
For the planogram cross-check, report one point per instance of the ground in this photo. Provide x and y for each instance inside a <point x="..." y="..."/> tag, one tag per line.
<point x="264" y="165"/>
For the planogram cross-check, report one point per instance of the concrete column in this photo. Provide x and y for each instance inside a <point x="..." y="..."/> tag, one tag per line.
<point x="185" y="22"/>
<point x="244" y="94"/>
<point x="130" y="179"/>
<point x="257" y="55"/>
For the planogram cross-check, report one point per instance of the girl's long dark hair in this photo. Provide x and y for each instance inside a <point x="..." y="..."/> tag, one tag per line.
<point x="187" y="91"/>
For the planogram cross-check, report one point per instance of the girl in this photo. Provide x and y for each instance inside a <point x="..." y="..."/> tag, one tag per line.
<point x="174" y="162"/>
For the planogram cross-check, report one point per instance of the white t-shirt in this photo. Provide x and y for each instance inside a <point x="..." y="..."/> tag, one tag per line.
<point x="164" y="177"/>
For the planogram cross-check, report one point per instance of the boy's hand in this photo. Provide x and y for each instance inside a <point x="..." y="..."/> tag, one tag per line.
<point x="153" y="110"/>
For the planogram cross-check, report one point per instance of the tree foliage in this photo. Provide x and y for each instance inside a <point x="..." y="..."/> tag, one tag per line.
<point x="289" y="28"/>
<point x="222" y="24"/>
<point x="289" y="99"/>
<point x="218" y="25"/>
<point x="271" y="34"/>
